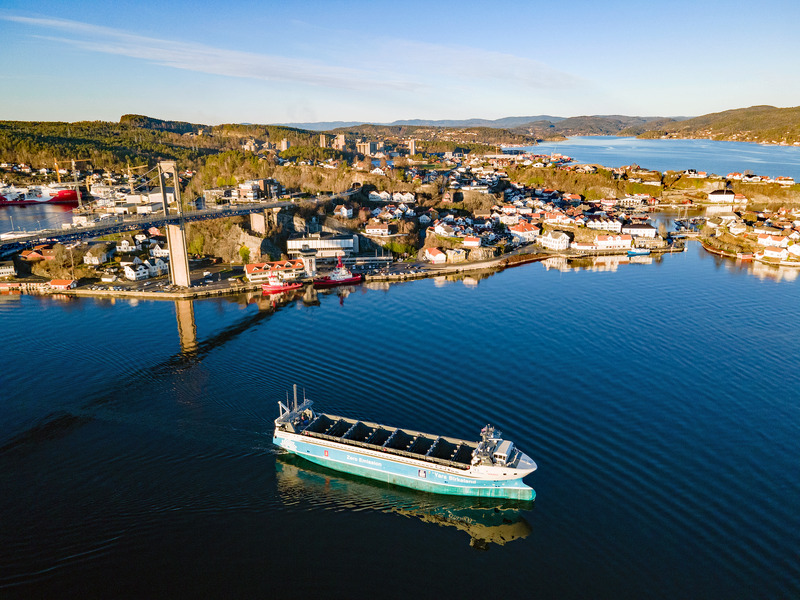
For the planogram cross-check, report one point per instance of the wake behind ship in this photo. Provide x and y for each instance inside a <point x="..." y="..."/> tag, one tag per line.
<point x="492" y="467"/>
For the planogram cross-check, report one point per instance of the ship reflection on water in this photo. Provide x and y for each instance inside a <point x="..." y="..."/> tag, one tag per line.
<point x="487" y="521"/>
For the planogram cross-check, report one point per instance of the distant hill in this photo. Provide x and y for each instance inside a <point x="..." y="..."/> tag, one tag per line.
<point x="321" y="125"/>
<point x="753" y="124"/>
<point x="588" y="125"/>
<point x="463" y="136"/>
<point x="158" y="124"/>
<point x="504" y="123"/>
<point x="540" y="126"/>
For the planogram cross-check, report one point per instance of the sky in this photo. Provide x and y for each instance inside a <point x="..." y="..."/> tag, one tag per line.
<point x="306" y="61"/>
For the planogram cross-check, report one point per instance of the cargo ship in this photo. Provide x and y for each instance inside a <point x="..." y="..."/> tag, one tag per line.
<point x="37" y="194"/>
<point x="492" y="467"/>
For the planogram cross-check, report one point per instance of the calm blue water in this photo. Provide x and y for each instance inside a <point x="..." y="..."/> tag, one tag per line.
<point x="660" y="401"/>
<point x="677" y="155"/>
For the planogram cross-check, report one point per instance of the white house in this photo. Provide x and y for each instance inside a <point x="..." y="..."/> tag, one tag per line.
<point x="737" y="228"/>
<point x="135" y="272"/>
<point x="98" y="254"/>
<point x="640" y="230"/>
<point x="509" y="219"/>
<point x="613" y="242"/>
<point x="604" y="224"/>
<point x="377" y="228"/>
<point x="436" y="256"/>
<point x="555" y="240"/>
<point x="775" y="252"/>
<point x="405" y="197"/>
<point x="128" y="244"/>
<point x="722" y="196"/>
<point x="159" y="251"/>
<point x="343" y="211"/>
<point x="7" y="269"/>
<point x="444" y="230"/>
<point x="781" y="241"/>
<point x="286" y="270"/>
<point x="472" y="241"/>
<point x="583" y="246"/>
<point x="524" y="231"/>
<point x="156" y="267"/>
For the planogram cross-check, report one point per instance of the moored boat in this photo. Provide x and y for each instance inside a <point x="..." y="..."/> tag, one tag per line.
<point x="341" y="275"/>
<point x="491" y="467"/>
<point x="37" y="194"/>
<point x="279" y="287"/>
<point x="638" y="252"/>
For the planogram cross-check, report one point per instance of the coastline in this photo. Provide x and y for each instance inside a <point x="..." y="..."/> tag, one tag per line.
<point x="494" y="265"/>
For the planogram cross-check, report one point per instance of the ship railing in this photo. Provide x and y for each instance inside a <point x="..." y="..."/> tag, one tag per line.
<point x="395" y="451"/>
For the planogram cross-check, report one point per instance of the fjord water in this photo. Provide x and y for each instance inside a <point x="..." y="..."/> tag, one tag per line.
<point x="711" y="156"/>
<point x="661" y="402"/>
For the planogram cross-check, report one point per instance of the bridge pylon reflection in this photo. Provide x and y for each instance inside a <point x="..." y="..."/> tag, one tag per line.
<point x="187" y="329"/>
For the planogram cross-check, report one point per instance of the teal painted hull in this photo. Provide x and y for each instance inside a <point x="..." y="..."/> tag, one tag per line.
<point x="427" y="479"/>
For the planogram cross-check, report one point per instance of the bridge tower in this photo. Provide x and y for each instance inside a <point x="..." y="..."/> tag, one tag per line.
<point x="176" y="235"/>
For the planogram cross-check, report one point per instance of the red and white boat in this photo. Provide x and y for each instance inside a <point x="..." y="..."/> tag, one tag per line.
<point x="278" y="286"/>
<point x="37" y="194"/>
<point x="339" y="276"/>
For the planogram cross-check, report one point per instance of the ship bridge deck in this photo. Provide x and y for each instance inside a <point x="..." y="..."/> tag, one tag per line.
<point x="450" y="452"/>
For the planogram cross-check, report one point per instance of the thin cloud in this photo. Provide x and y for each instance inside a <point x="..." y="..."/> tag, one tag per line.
<point x="218" y="61"/>
<point x="410" y="71"/>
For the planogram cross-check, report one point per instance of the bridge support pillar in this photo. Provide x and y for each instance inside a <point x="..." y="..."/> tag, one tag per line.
<point x="176" y="236"/>
<point x="258" y="223"/>
<point x="178" y="257"/>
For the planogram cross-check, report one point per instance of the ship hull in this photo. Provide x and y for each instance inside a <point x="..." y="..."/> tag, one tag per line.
<point x="325" y="283"/>
<point x="401" y="471"/>
<point x="278" y="289"/>
<point x="61" y="197"/>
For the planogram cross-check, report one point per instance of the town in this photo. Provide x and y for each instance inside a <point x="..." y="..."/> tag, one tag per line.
<point x="405" y="215"/>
